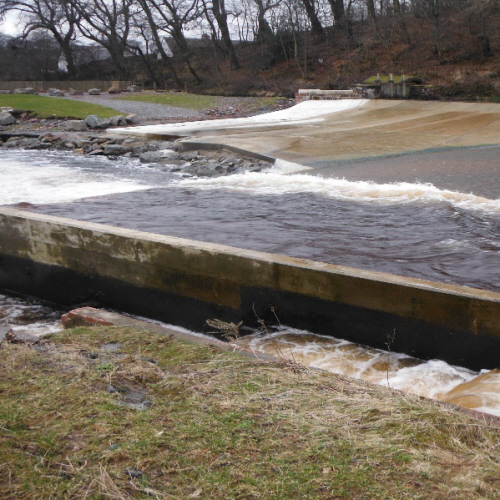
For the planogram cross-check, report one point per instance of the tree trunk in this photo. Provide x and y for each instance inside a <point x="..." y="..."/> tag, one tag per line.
<point x="220" y="15"/>
<point x="316" y="27"/>
<point x="371" y="13"/>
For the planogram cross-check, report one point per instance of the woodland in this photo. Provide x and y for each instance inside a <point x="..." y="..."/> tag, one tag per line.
<point x="258" y="47"/>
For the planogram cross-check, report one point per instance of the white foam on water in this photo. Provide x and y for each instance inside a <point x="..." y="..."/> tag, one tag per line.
<point x="304" y="112"/>
<point x="432" y="379"/>
<point x="44" y="181"/>
<point x="40" y="328"/>
<point x="28" y="316"/>
<point x="275" y="183"/>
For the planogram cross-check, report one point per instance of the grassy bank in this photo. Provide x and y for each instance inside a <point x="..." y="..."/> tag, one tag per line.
<point x="53" y="107"/>
<point x="151" y="417"/>
<point x="179" y="99"/>
<point x="201" y="102"/>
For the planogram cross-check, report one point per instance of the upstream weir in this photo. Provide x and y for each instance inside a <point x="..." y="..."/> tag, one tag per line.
<point x="186" y="282"/>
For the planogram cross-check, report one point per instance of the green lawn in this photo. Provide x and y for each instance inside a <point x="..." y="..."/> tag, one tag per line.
<point x="179" y="99"/>
<point x="221" y="426"/>
<point x="202" y="102"/>
<point x="53" y="107"/>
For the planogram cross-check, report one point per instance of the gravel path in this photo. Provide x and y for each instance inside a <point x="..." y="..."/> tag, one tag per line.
<point x="145" y="111"/>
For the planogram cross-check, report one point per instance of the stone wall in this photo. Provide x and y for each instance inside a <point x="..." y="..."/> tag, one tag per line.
<point x="44" y="86"/>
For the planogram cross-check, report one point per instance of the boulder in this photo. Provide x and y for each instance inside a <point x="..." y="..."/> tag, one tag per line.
<point x="132" y="119"/>
<point x="6" y="118"/>
<point x="27" y="90"/>
<point x="114" y="90"/>
<point x="134" y="88"/>
<point x="150" y="157"/>
<point x="116" y="150"/>
<point x="94" y="92"/>
<point x="93" y="121"/>
<point x="84" y="316"/>
<point x="6" y="91"/>
<point x="76" y="125"/>
<point x="16" y="113"/>
<point x="117" y="121"/>
<point x="56" y="93"/>
<point x="76" y="92"/>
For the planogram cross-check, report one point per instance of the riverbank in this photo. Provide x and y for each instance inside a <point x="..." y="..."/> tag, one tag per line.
<point x="113" y="411"/>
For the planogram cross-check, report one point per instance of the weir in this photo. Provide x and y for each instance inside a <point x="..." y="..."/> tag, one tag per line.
<point x="186" y="282"/>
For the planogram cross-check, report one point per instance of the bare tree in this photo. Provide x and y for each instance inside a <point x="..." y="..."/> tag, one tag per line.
<point x="312" y="14"/>
<point x="264" y="32"/>
<point x="171" y="17"/>
<point x="58" y="17"/>
<point x="108" y="23"/>
<point x="216" y="9"/>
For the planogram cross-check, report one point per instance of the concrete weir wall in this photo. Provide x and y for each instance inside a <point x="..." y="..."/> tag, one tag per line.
<point x="186" y="282"/>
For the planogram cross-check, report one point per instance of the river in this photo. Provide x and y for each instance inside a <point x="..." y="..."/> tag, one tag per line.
<point x="408" y="228"/>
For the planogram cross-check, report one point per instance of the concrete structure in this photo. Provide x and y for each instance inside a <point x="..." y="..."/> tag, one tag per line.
<point x="325" y="95"/>
<point x="368" y="129"/>
<point x="392" y="86"/>
<point x="186" y="282"/>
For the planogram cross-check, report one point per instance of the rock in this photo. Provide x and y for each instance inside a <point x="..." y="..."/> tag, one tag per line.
<point x="114" y="90"/>
<point x="111" y="347"/>
<point x="56" y="93"/>
<point x="166" y="145"/>
<point x="49" y="137"/>
<point x="6" y="118"/>
<point x="116" y="150"/>
<point x="94" y="92"/>
<point x="76" y="92"/>
<point x="117" y="121"/>
<point x="5" y="331"/>
<point x="76" y="125"/>
<point x="29" y="143"/>
<point x="83" y="317"/>
<point x="150" y="157"/>
<point x="27" y="90"/>
<point x="134" y="88"/>
<point x="93" y="121"/>
<point x="8" y="335"/>
<point x="6" y="91"/>
<point x="132" y="119"/>
<point x="132" y="473"/>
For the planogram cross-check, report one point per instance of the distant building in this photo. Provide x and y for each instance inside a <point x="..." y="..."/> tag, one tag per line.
<point x="88" y="54"/>
<point x="171" y="48"/>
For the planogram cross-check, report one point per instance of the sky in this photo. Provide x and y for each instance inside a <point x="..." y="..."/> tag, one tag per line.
<point x="10" y="25"/>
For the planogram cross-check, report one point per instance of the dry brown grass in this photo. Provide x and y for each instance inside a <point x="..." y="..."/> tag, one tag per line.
<point x="221" y="426"/>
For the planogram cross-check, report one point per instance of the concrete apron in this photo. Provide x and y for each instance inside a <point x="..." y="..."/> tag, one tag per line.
<point x="185" y="282"/>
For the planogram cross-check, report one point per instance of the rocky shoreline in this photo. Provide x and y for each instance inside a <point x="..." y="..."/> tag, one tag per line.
<point x="160" y="154"/>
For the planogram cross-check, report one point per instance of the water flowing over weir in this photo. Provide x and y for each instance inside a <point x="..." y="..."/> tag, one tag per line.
<point x="415" y="230"/>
